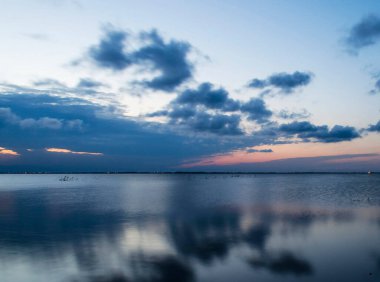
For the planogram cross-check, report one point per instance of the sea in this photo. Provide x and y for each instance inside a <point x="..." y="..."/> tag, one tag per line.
<point x="189" y="227"/>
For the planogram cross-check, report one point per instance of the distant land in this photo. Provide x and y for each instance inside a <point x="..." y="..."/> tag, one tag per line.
<point x="192" y="172"/>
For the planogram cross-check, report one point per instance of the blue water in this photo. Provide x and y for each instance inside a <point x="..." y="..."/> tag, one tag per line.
<point x="118" y="228"/>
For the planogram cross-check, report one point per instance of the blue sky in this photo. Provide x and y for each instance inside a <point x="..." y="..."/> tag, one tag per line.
<point x="179" y="85"/>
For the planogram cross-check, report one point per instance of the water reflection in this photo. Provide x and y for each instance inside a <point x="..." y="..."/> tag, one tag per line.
<point x="181" y="231"/>
<point x="283" y="263"/>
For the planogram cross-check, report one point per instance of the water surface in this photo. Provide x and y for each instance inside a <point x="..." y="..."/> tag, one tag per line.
<point x="118" y="228"/>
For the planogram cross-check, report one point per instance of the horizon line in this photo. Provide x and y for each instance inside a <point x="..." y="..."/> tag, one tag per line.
<point x="189" y="172"/>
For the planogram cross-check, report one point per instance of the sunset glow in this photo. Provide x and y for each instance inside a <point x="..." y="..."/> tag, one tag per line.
<point x="268" y="87"/>
<point x="67" y="151"/>
<point x="4" y="151"/>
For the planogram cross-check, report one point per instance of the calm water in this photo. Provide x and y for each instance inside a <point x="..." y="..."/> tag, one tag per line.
<point x="118" y="228"/>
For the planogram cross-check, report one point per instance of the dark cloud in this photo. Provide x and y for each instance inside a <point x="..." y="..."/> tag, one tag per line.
<point x="374" y="127"/>
<point x="169" y="59"/>
<point x="337" y="134"/>
<point x="286" y="82"/>
<point x="89" y="83"/>
<point x="298" y="127"/>
<point x="110" y="53"/>
<point x="181" y="112"/>
<point x="79" y="125"/>
<point x="82" y="126"/>
<point x="256" y="110"/>
<point x="307" y="131"/>
<point x="259" y="151"/>
<point x="363" y="34"/>
<point x="201" y="121"/>
<point x="219" y="124"/>
<point x="202" y="110"/>
<point x="209" y="97"/>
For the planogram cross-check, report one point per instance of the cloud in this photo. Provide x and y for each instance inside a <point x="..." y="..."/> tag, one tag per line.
<point x="127" y="144"/>
<point x="109" y="53"/>
<point x="8" y="152"/>
<point x="376" y="89"/>
<point x="257" y="110"/>
<point x="257" y="83"/>
<point x="201" y="121"/>
<point x="286" y="82"/>
<point x="219" y="124"/>
<point x="188" y="131"/>
<point x="155" y="55"/>
<point x="374" y="127"/>
<point x="208" y="96"/>
<point x="203" y="110"/>
<point x="49" y="82"/>
<point x="363" y="34"/>
<point x="45" y="122"/>
<point x="209" y="104"/>
<point x="284" y="114"/>
<point x="181" y="112"/>
<point x="89" y="83"/>
<point x="298" y="127"/>
<point x="6" y="115"/>
<point x="67" y="151"/>
<point x="259" y="151"/>
<point x="308" y="132"/>
<point x="168" y="58"/>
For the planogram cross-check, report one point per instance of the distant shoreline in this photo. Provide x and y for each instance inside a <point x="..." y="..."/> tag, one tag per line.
<point x="186" y="172"/>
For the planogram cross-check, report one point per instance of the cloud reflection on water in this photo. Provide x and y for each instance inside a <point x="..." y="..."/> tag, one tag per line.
<point x="98" y="238"/>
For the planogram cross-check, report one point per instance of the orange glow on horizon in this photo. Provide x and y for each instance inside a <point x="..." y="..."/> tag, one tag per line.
<point x="366" y="145"/>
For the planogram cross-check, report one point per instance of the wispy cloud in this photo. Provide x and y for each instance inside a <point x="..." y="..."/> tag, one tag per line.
<point x="67" y="151"/>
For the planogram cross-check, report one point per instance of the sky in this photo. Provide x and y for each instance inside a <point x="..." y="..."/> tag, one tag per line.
<point x="266" y="86"/>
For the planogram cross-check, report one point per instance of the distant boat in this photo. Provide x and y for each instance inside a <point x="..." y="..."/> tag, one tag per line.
<point x="369" y="172"/>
